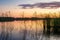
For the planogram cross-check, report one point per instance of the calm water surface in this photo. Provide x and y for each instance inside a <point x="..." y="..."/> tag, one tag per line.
<point x="23" y="30"/>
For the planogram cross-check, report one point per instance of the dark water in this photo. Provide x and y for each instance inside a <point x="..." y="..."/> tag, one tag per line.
<point x="24" y="30"/>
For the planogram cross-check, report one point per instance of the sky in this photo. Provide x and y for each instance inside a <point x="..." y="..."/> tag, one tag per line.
<point x="16" y="2"/>
<point x="10" y="4"/>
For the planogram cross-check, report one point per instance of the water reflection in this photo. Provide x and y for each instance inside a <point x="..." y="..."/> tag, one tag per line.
<point x="17" y="30"/>
<point x="23" y="30"/>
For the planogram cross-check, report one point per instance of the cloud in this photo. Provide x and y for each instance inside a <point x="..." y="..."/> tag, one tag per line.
<point x="15" y="2"/>
<point x="41" y="5"/>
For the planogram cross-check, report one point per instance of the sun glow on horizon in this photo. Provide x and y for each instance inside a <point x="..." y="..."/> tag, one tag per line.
<point x="30" y="12"/>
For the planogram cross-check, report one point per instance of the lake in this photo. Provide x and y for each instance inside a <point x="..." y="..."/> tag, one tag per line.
<point x="24" y="30"/>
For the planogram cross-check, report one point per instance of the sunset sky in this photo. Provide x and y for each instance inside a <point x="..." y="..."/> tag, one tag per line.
<point x="14" y="2"/>
<point x="12" y="5"/>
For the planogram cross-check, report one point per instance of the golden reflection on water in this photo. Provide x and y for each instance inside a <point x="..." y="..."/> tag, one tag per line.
<point x="17" y="26"/>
